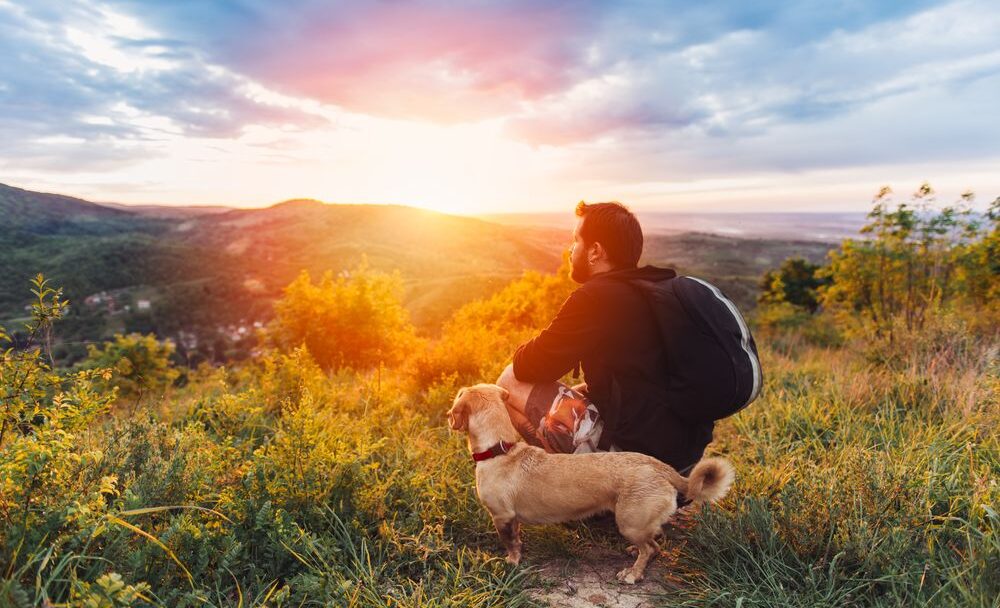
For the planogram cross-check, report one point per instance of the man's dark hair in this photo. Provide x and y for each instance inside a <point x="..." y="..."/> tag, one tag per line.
<point x="615" y="228"/>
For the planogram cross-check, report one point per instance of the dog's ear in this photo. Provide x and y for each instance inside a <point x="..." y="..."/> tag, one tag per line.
<point x="504" y="393"/>
<point x="458" y="415"/>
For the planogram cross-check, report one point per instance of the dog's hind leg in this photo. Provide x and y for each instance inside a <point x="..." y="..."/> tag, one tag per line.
<point x="634" y="550"/>
<point x="509" y="530"/>
<point x="639" y="522"/>
<point x="635" y="572"/>
<point x="641" y="535"/>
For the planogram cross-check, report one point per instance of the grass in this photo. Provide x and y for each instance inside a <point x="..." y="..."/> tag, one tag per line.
<point x="862" y="481"/>
<point x="858" y="486"/>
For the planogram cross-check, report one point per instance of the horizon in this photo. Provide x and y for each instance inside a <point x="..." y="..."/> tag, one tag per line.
<point x="688" y="110"/>
<point x="567" y="211"/>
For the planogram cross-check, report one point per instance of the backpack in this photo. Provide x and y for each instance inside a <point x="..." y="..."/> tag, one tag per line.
<point x="701" y="328"/>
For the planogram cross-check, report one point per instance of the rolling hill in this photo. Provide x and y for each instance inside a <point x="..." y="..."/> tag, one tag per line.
<point x="200" y="274"/>
<point x="30" y="212"/>
<point x="205" y="273"/>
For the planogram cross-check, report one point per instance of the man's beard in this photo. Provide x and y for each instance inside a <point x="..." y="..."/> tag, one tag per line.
<point x="579" y="271"/>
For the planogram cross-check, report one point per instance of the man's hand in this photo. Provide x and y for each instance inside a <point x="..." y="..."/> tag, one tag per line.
<point x="523" y="426"/>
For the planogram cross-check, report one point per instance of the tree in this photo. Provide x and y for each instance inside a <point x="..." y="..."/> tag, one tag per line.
<point x="795" y="282"/>
<point x="979" y="262"/>
<point x="908" y="267"/>
<point x="356" y="320"/>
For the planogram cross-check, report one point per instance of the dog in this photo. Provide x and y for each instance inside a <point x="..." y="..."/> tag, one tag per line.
<point x="519" y="483"/>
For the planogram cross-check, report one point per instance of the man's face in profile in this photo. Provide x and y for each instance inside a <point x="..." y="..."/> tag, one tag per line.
<point x="578" y="256"/>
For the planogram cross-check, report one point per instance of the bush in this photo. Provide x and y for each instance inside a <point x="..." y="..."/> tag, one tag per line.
<point x="479" y="339"/>
<point x="796" y="283"/>
<point x="355" y="321"/>
<point x="140" y="364"/>
<point x="788" y="327"/>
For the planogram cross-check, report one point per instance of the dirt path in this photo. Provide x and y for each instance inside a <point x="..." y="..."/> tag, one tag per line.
<point x="589" y="581"/>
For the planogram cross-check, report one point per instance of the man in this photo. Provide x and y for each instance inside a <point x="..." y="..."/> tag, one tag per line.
<point x="606" y="327"/>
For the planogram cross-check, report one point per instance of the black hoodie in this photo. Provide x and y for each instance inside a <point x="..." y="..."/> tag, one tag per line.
<point x="607" y="327"/>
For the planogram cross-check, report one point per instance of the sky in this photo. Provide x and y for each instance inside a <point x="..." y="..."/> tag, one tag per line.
<point x="516" y="106"/>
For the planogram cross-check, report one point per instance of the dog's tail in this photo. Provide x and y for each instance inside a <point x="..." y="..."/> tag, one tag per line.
<point x="709" y="481"/>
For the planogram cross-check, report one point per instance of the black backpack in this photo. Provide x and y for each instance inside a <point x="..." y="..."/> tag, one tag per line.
<point x="712" y="366"/>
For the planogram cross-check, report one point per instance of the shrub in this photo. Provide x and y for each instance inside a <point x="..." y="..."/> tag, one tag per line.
<point x="788" y="327"/>
<point x="356" y="321"/>
<point x="479" y="339"/>
<point x="139" y="363"/>
<point x="796" y="282"/>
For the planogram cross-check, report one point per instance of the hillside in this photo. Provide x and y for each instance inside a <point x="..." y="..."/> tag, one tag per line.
<point x="866" y="468"/>
<point x="203" y="274"/>
<point x="40" y="213"/>
<point x="734" y="264"/>
<point x="168" y="211"/>
<point x="208" y="274"/>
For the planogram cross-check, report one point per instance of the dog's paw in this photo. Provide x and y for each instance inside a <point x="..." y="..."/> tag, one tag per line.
<point x="628" y="577"/>
<point x="513" y="558"/>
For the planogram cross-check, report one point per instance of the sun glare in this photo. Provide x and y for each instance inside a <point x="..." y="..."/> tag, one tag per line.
<point x="455" y="169"/>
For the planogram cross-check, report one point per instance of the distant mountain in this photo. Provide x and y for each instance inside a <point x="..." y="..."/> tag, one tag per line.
<point x="735" y="265"/>
<point x="802" y="226"/>
<point x="421" y="244"/>
<point x="168" y="211"/>
<point x="454" y="258"/>
<point x="43" y="213"/>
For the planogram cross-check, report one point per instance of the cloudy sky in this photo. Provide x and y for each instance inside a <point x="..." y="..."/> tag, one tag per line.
<point x="501" y="106"/>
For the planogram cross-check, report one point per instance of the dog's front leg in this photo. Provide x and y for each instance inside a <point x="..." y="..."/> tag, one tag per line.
<point x="509" y="530"/>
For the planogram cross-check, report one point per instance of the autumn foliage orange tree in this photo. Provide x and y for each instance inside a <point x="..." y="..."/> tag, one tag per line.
<point x="356" y="320"/>
<point x="478" y="340"/>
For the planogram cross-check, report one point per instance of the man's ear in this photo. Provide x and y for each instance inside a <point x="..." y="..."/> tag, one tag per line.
<point x="504" y="393"/>
<point x="600" y="253"/>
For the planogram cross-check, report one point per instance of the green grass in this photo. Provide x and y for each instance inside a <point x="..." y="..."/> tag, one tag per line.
<point x="858" y="486"/>
<point x="865" y="477"/>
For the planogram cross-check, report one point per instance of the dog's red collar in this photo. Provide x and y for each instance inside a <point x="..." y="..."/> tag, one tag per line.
<point x="499" y="449"/>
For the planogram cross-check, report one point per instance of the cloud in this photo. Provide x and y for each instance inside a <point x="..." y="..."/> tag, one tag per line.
<point x="623" y="92"/>
<point x="912" y="90"/>
<point x="439" y="61"/>
<point x="557" y="71"/>
<point x="91" y="86"/>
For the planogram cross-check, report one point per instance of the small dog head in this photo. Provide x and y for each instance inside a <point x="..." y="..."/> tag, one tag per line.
<point x="473" y="399"/>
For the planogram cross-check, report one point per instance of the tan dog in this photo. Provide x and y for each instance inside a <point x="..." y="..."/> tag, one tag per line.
<point x="519" y="483"/>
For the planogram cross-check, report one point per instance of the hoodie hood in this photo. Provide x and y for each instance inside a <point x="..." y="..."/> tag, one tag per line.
<point x="645" y="273"/>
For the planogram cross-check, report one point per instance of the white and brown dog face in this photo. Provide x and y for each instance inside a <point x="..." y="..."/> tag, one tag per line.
<point x="473" y="400"/>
